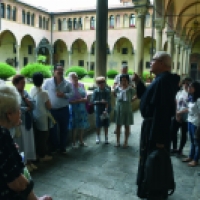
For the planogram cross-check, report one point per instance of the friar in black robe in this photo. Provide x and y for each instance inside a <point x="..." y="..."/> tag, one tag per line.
<point x="157" y="106"/>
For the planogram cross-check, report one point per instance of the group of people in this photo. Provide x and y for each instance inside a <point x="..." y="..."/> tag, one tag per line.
<point x="37" y="123"/>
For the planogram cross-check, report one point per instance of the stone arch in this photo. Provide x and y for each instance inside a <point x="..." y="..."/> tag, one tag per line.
<point x="79" y="53"/>
<point x="8" y="47"/>
<point x="123" y="52"/>
<point x="60" y="52"/>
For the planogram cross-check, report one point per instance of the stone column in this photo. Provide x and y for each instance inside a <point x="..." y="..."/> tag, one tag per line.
<point x="51" y="55"/>
<point x="141" y="13"/>
<point x="101" y="37"/>
<point x="18" y="58"/>
<point x="188" y="60"/>
<point x="69" y="58"/>
<point x="181" y="59"/>
<point x="170" y="42"/>
<point x="88" y="67"/>
<point x="176" y="59"/>
<point x="185" y="58"/>
<point x="159" y="24"/>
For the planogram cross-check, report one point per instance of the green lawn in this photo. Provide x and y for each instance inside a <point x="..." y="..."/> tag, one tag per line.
<point x="87" y="82"/>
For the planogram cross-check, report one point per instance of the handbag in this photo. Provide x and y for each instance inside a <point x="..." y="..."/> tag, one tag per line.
<point x="197" y="133"/>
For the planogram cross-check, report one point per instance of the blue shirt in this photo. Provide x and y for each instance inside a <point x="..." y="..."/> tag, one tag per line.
<point x="52" y="88"/>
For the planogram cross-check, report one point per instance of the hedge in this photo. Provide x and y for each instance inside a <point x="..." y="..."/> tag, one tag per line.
<point x="91" y="74"/>
<point x="6" y="71"/>
<point x="32" y="68"/>
<point x="112" y="73"/>
<point x="80" y="71"/>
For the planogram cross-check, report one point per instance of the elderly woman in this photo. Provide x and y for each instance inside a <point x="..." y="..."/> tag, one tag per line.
<point x="78" y="120"/>
<point x="101" y="99"/>
<point x="124" y="116"/>
<point x="41" y="115"/>
<point x="23" y="135"/>
<point x="13" y="184"/>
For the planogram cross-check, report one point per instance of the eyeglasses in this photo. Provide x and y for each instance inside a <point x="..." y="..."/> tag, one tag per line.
<point x="100" y="82"/>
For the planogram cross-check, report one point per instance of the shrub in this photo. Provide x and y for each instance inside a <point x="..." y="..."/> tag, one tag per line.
<point x="130" y="72"/>
<point x="81" y="72"/>
<point x="31" y="68"/>
<point x="6" y="71"/>
<point x="41" y="58"/>
<point x="112" y="73"/>
<point x="91" y="74"/>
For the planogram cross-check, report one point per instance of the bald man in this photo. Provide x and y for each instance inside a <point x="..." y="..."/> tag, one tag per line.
<point x="157" y="107"/>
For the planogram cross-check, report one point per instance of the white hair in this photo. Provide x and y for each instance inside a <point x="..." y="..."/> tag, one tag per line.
<point x="72" y="74"/>
<point x="165" y="57"/>
<point x="9" y="100"/>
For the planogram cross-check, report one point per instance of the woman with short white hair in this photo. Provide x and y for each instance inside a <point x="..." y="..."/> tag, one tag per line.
<point x="78" y="120"/>
<point x="13" y="184"/>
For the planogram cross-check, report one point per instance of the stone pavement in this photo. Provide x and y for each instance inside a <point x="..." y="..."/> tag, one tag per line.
<point x="104" y="172"/>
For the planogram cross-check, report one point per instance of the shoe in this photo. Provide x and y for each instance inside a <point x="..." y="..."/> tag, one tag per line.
<point x="46" y="158"/>
<point x="187" y="160"/>
<point x="106" y="141"/>
<point x="98" y="140"/>
<point x="34" y="167"/>
<point x="192" y="164"/>
<point x="74" y="146"/>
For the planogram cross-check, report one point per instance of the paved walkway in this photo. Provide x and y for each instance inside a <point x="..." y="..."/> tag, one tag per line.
<point x="103" y="172"/>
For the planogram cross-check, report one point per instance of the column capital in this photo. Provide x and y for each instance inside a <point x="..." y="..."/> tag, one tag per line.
<point x="170" y="33"/>
<point x="141" y="11"/>
<point x="159" y="24"/>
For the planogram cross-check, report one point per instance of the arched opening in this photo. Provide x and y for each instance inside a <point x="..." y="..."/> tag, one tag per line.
<point x="79" y="53"/>
<point x="33" y="20"/>
<point x="60" y="53"/>
<point x="92" y="23"/>
<point x="2" y="10"/>
<point x="80" y="23"/>
<point x="112" y="21"/>
<point x="132" y="21"/>
<point x="40" y="21"/>
<point x="59" y="25"/>
<point x="8" y="12"/>
<point x="123" y="53"/>
<point x="47" y="24"/>
<point x="44" y="49"/>
<point x="8" y="48"/>
<point x="28" y="20"/>
<point x="23" y="17"/>
<point x="27" y="50"/>
<point x="14" y="14"/>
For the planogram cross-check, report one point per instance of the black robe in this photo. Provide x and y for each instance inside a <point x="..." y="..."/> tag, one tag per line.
<point x="157" y="107"/>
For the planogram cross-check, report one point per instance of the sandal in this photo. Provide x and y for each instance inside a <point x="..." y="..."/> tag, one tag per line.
<point x="193" y="164"/>
<point x="187" y="160"/>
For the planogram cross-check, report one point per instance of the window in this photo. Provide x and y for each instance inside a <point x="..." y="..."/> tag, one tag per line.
<point x="32" y="20"/>
<point x="69" y="24"/>
<point x="124" y="50"/>
<point x="132" y="20"/>
<point x="75" y="24"/>
<point x="124" y="63"/>
<point x="44" y="23"/>
<point x="62" y="62"/>
<point x="81" y="63"/>
<point x="93" y="51"/>
<point x="28" y="20"/>
<point x="40" y="22"/>
<point x="118" y="21"/>
<point x="25" y="61"/>
<point x="30" y="49"/>
<point x="2" y="10"/>
<point x="23" y="17"/>
<point x="59" y="25"/>
<point x="92" y="66"/>
<point x="126" y="20"/>
<point x="80" y="23"/>
<point x="47" y="24"/>
<point x="92" y="23"/>
<point x="148" y="65"/>
<point x="14" y="13"/>
<point x="8" y="12"/>
<point x="112" y="21"/>
<point x="147" y="20"/>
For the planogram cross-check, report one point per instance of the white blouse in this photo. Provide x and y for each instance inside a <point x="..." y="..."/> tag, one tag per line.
<point x="194" y="112"/>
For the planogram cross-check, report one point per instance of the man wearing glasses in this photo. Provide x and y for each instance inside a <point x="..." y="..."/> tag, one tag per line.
<point x="157" y="107"/>
<point x="59" y="91"/>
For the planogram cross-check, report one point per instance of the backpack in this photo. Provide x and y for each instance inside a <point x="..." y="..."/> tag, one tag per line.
<point x="159" y="175"/>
